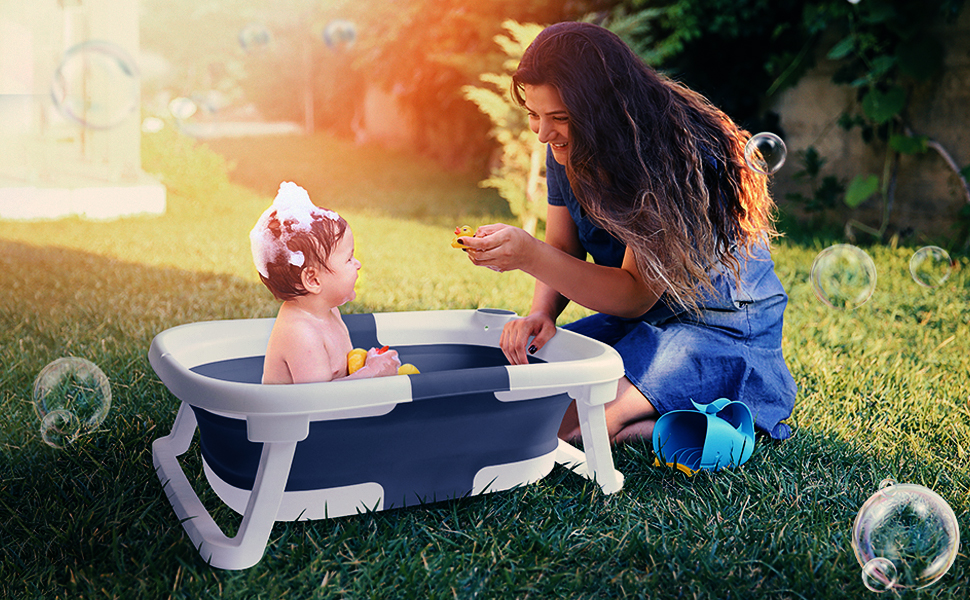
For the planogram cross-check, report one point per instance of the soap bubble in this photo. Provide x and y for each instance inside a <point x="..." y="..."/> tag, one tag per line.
<point x="879" y="574"/>
<point x="930" y="266"/>
<point x="340" y="34"/>
<point x="843" y="276"/>
<point x="905" y="536"/>
<point x="73" y="385"/>
<point x="254" y="37"/>
<point x="182" y="108"/>
<point x="59" y="428"/>
<point x="96" y="84"/>
<point x="765" y="153"/>
<point x="152" y="125"/>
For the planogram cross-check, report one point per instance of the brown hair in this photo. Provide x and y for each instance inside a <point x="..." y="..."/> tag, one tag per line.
<point x="316" y="245"/>
<point x="651" y="161"/>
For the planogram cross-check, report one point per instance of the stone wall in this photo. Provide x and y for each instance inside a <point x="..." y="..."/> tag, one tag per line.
<point x="928" y="194"/>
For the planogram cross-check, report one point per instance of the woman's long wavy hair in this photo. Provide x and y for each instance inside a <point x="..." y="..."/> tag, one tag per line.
<point x="651" y="161"/>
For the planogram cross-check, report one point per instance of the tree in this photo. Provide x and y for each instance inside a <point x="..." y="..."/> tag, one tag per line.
<point x="519" y="175"/>
<point x="888" y="49"/>
<point x="885" y="50"/>
<point x="738" y="53"/>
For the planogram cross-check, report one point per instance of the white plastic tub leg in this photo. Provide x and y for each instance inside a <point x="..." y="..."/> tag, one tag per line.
<point x="595" y="461"/>
<point x="246" y="548"/>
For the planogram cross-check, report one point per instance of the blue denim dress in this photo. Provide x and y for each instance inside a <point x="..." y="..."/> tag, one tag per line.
<point x="730" y="349"/>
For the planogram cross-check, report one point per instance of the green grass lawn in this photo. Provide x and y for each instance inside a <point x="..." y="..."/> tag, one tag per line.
<point x="884" y="391"/>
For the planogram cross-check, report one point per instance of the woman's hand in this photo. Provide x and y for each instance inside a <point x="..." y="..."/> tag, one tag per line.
<point x="516" y="335"/>
<point x="499" y="247"/>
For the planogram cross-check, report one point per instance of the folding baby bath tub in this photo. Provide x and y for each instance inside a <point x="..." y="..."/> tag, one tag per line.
<point x="468" y="424"/>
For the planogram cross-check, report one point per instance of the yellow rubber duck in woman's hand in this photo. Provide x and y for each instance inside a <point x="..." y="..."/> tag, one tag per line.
<point x="463" y="231"/>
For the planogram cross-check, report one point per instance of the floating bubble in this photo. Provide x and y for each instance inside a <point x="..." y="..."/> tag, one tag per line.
<point x="254" y="37"/>
<point x="905" y="536"/>
<point x="152" y="125"/>
<point x="182" y="108"/>
<point x="209" y="102"/>
<point x="843" y="276"/>
<point x="930" y="266"/>
<point x="96" y="84"/>
<point x="765" y="153"/>
<point x="879" y="574"/>
<point x="59" y="428"/>
<point x="340" y="34"/>
<point x="73" y="385"/>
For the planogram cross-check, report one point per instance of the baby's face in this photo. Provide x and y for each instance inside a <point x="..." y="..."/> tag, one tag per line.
<point x="343" y="267"/>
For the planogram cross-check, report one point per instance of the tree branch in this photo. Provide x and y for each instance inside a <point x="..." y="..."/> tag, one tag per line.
<point x="938" y="147"/>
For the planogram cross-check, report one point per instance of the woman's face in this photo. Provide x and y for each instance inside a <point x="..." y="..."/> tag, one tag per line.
<point x="548" y="118"/>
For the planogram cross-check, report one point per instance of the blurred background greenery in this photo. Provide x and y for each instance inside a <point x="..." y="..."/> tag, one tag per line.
<point x="864" y="93"/>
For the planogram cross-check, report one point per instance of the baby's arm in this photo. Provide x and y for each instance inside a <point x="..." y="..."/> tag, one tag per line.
<point x="307" y="359"/>
<point x="378" y="364"/>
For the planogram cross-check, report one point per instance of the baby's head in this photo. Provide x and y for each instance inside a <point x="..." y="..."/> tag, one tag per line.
<point x="292" y="234"/>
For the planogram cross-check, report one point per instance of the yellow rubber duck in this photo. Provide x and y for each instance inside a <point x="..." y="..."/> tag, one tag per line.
<point x="463" y="231"/>
<point x="408" y="369"/>
<point x="357" y="358"/>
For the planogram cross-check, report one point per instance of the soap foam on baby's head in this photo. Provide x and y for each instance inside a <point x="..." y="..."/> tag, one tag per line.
<point x="285" y="231"/>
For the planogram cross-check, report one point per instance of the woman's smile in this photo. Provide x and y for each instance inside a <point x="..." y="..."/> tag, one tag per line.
<point x="549" y="118"/>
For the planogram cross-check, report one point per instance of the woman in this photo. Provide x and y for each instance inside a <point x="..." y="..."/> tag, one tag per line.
<point x="649" y="179"/>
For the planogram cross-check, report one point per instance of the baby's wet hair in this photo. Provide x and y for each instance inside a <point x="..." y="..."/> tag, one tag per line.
<point x="313" y="244"/>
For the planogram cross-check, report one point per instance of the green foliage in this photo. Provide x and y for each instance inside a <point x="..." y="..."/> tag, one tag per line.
<point x="883" y="48"/>
<point x="738" y="53"/>
<point x="860" y="189"/>
<point x="190" y="170"/>
<point x="909" y="144"/>
<point x="518" y="177"/>
<point x="825" y="190"/>
<point x="392" y="183"/>
<point x="882" y="106"/>
<point x="888" y="48"/>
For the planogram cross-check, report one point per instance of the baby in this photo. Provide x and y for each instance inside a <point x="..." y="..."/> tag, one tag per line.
<point x="305" y="256"/>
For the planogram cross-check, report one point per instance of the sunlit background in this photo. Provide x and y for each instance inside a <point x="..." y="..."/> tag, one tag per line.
<point x="80" y="80"/>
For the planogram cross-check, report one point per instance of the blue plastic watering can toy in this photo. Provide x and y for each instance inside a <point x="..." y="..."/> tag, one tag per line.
<point x="712" y="437"/>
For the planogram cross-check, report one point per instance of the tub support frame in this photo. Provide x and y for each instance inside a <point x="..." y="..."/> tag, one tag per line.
<point x="280" y="432"/>
<point x="246" y="548"/>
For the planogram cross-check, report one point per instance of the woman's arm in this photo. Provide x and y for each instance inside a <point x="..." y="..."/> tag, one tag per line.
<point x="561" y="233"/>
<point x="618" y="291"/>
<point x="521" y="337"/>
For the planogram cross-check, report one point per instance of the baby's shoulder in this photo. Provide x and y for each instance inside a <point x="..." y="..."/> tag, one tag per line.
<point x="292" y="327"/>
